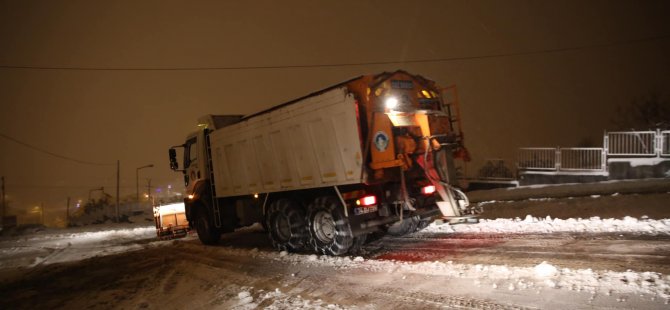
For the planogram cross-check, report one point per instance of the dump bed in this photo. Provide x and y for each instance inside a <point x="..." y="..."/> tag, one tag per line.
<point x="312" y="142"/>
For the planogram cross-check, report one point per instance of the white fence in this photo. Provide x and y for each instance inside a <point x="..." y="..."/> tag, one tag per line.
<point x="583" y="159"/>
<point x="631" y="143"/>
<point x="620" y="144"/>
<point x="562" y="159"/>
<point x="538" y="158"/>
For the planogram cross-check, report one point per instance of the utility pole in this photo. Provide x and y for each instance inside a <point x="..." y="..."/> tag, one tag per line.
<point x="149" y="190"/>
<point x="118" y="169"/>
<point x="67" y="213"/>
<point x="137" y="182"/>
<point x="42" y="213"/>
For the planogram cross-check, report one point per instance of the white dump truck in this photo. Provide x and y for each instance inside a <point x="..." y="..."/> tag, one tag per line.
<point x="374" y="154"/>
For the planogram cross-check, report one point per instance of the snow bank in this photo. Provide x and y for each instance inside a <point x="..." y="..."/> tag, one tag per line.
<point x="57" y="246"/>
<point x="548" y="225"/>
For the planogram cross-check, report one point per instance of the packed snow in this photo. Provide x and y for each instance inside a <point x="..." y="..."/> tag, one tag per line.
<point x="250" y="298"/>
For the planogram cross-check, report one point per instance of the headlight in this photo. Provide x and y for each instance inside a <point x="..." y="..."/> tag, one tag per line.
<point x="391" y="102"/>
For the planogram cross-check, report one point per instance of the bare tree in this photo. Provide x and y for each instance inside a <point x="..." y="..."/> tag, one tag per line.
<point x="648" y="112"/>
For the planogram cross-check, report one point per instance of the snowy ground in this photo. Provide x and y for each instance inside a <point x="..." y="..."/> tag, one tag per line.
<point x="524" y="262"/>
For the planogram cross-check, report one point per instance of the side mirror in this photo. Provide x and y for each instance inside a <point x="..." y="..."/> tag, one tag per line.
<point x="174" y="165"/>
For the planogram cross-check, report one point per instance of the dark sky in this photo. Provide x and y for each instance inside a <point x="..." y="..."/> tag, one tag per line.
<point x="544" y="99"/>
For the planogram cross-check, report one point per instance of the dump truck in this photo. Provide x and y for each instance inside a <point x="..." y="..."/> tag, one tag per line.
<point x="373" y="154"/>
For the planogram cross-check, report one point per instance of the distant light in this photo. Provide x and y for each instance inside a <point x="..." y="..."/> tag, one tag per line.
<point x="158" y="190"/>
<point x="391" y="102"/>
<point x="426" y="93"/>
<point x="256" y="195"/>
<point x="190" y="196"/>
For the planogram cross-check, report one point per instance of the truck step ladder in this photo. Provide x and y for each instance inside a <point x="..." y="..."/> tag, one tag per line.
<point x="452" y="106"/>
<point x="215" y="202"/>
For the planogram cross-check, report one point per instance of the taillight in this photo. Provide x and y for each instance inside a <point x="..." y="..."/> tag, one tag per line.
<point x="367" y="201"/>
<point x="427" y="190"/>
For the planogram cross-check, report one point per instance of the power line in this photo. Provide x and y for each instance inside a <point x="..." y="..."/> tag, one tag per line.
<point x="344" y="64"/>
<point x="54" y="154"/>
<point x="63" y="186"/>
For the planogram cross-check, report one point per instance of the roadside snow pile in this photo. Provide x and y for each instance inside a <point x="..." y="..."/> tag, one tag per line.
<point x="48" y="247"/>
<point x="96" y="236"/>
<point x="548" y="225"/>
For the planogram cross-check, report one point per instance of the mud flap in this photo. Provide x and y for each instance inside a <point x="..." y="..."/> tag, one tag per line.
<point x="439" y="172"/>
<point x="448" y="206"/>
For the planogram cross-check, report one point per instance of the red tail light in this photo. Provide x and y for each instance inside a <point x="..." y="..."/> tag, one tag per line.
<point x="427" y="190"/>
<point x="367" y="201"/>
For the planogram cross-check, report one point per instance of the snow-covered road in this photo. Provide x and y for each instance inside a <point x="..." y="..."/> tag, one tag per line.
<point x="496" y="264"/>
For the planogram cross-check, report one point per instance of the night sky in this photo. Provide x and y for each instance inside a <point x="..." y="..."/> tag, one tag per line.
<point x="598" y="55"/>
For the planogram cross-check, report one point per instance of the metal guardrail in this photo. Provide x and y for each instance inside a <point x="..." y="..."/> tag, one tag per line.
<point x="631" y="143"/>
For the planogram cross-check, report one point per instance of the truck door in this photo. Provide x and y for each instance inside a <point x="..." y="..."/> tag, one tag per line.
<point x="191" y="169"/>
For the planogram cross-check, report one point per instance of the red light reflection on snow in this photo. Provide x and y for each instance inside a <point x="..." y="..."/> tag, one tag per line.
<point x="420" y="250"/>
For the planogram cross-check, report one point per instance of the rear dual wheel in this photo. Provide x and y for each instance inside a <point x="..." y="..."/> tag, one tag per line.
<point x="329" y="229"/>
<point x="324" y="227"/>
<point x="286" y="225"/>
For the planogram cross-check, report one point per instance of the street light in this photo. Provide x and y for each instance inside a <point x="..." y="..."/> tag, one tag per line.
<point x="137" y="181"/>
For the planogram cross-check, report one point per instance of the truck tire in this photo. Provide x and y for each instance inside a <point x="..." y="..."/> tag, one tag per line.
<point x="204" y="225"/>
<point x="329" y="229"/>
<point x="423" y="223"/>
<point x="286" y="225"/>
<point x="408" y="225"/>
<point x="357" y="245"/>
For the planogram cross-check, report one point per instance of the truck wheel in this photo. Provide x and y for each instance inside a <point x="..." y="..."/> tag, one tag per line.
<point x="357" y="245"/>
<point x="286" y="225"/>
<point x="423" y="223"/>
<point x="207" y="232"/>
<point x="406" y="226"/>
<point x="329" y="229"/>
